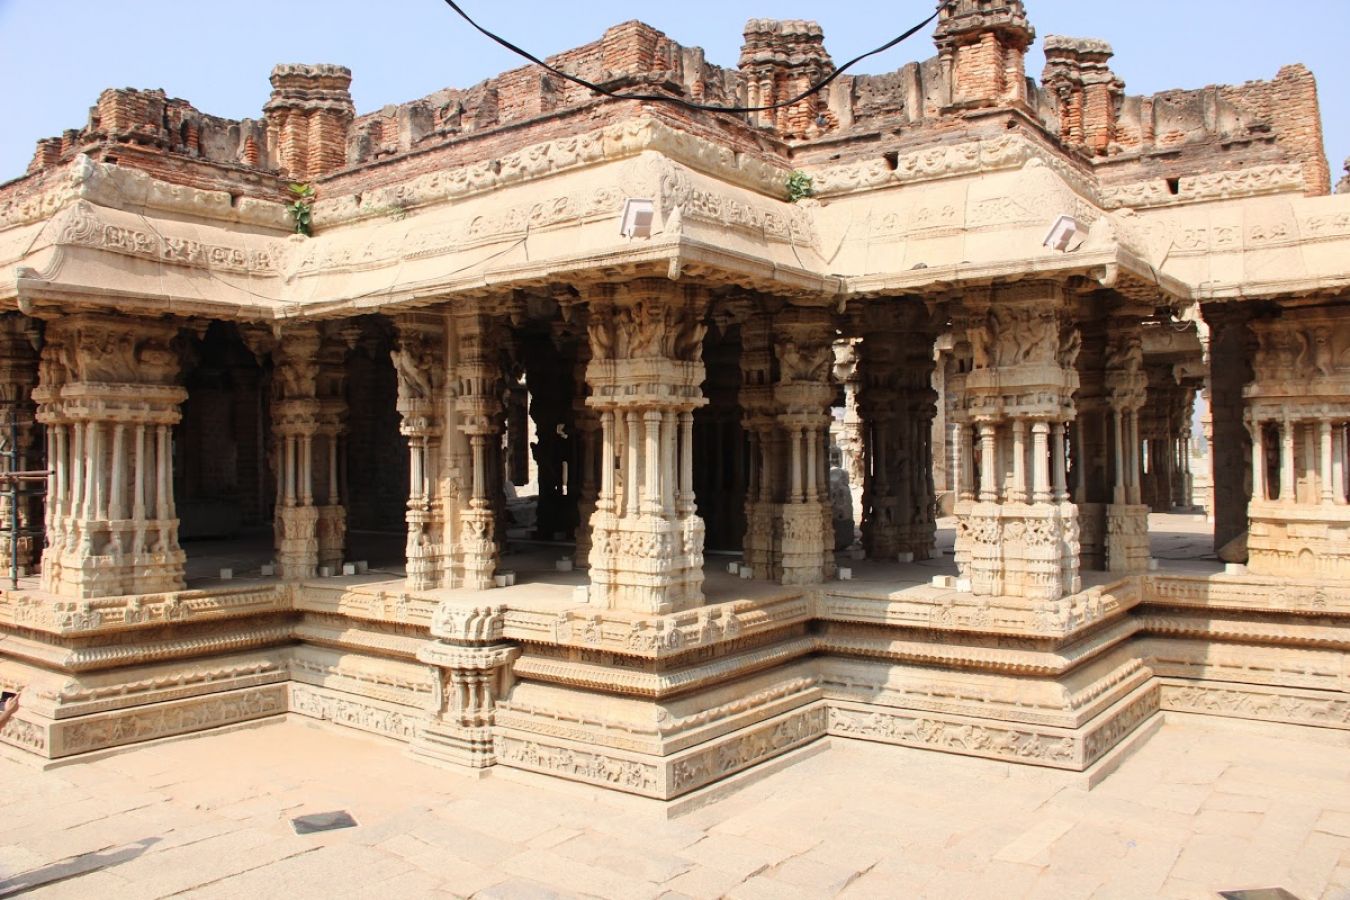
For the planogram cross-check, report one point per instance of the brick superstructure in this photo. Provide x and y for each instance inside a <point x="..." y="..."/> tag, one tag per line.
<point x="983" y="45"/>
<point x="309" y="130"/>
<point x="308" y="118"/>
<point x="1086" y="93"/>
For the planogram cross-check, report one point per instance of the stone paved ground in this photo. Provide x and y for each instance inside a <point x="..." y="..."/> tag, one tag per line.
<point x="1204" y="805"/>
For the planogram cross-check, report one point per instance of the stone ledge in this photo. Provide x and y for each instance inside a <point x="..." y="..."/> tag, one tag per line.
<point x="663" y="777"/>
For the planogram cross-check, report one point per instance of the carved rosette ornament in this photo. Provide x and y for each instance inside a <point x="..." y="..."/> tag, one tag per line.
<point x="471" y="669"/>
<point x="107" y="397"/>
<point x="645" y="373"/>
<point x="1297" y="414"/>
<point x="419" y="358"/>
<point x="1017" y="531"/>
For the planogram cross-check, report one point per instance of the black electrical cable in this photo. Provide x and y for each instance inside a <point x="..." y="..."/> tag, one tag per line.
<point x="666" y="98"/>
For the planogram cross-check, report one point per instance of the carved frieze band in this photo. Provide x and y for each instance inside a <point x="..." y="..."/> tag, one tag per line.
<point x="159" y="720"/>
<point x="1331" y="710"/>
<point x="664" y="777"/>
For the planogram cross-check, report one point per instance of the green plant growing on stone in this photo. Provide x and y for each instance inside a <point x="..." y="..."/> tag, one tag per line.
<point x="301" y="208"/>
<point x="799" y="187"/>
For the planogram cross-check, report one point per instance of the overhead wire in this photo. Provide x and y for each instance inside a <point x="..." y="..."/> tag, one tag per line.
<point x="680" y="101"/>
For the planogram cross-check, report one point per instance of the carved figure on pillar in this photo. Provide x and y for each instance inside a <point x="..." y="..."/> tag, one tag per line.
<point x="1017" y="529"/>
<point x="107" y="396"/>
<point x="419" y="363"/>
<point x="645" y="374"/>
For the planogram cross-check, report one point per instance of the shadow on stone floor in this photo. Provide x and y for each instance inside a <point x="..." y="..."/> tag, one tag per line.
<point x="74" y="867"/>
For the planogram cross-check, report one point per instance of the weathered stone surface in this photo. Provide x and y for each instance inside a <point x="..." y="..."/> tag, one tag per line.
<point x="619" y="304"/>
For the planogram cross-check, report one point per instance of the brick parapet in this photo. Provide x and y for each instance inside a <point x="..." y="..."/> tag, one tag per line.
<point x="310" y="131"/>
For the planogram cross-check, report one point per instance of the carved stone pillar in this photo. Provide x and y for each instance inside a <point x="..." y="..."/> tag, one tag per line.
<point x="478" y="379"/>
<point x="853" y="458"/>
<point x="1023" y="353"/>
<point x="898" y="405"/>
<point x="1091" y="444"/>
<point x="881" y="410"/>
<point x="646" y="369"/>
<point x="587" y="459"/>
<point x="419" y="362"/>
<point x="1127" y="547"/>
<point x="549" y="364"/>
<point x="20" y="339"/>
<point x="296" y="415"/>
<point x="471" y="669"/>
<point x="106" y="393"/>
<point x="327" y="452"/>
<point x="1230" y="367"/>
<point x="1296" y="410"/>
<point x="802" y="395"/>
<point x="765" y="488"/>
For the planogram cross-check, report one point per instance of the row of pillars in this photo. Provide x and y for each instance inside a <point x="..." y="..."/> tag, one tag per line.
<point x="1005" y="449"/>
<point x="1322" y="466"/>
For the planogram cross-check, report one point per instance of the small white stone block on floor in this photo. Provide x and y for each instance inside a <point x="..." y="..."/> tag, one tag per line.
<point x="581" y="593"/>
<point x="362" y="567"/>
<point x="963" y="585"/>
<point x="564" y="564"/>
<point x="349" y="568"/>
<point x="267" y="570"/>
<point x="1235" y="569"/>
<point x="226" y="574"/>
<point x="325" y="571"/>
<point x="734" y="568"/>
<point x="905" y="557"/>
<point x="747" y="573"/>
<point x="499" y="580"/>
<point x="944" y="581"/>
<point x="845" y="574"/>
<point x="510" y="576"/>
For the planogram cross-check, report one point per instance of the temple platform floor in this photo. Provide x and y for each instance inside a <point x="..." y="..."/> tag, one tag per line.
<point x="1205" y="805"/>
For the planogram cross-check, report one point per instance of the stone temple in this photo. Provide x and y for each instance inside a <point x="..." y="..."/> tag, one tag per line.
<point x="986" y="297"/>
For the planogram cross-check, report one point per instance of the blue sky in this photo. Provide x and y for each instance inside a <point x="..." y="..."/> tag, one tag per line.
<point x="59" y="54"/>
